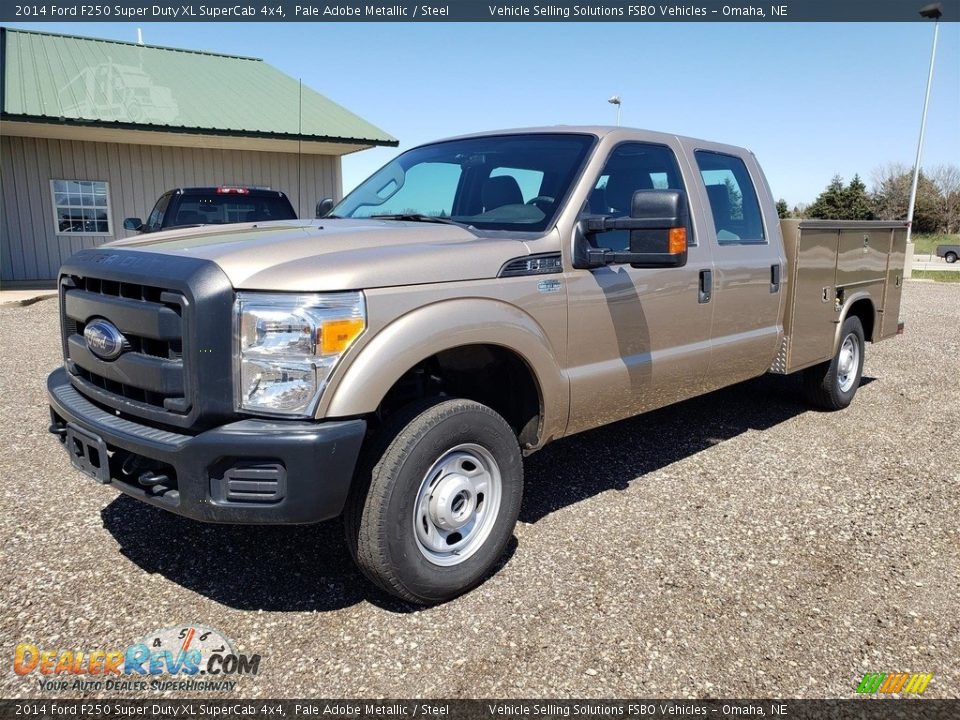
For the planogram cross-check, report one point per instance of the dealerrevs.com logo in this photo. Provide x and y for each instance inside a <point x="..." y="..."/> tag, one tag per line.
<point x="185" y="657"/>
<point x="893" y="683"/>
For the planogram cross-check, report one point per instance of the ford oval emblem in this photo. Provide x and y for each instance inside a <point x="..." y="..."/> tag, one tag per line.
<point x="104" y="339"/>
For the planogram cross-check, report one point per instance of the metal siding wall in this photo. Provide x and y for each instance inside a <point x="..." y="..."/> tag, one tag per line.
<point x="11" y="254"/>
<point x="138" y="174"/>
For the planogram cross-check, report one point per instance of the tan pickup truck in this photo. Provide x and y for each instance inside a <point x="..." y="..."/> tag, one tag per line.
<point x="473" y="300"/>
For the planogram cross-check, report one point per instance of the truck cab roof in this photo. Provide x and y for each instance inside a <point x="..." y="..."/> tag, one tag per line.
<point x="602" y="131"/>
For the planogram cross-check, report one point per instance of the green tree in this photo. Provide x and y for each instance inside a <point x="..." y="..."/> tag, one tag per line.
<point x="857" y="202"/>
<point x="735" y="198"/>
<point x="843" y="202"/>
<point x="946" y="179"/>
<point x="783" y="211"/>
<point x="891" y="197"/>
<point x="829" y="204"/>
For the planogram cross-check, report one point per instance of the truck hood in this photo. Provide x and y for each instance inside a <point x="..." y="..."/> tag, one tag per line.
<point x="335" y="254"/>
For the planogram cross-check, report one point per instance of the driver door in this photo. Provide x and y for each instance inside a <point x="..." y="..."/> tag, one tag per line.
<point x="639" y="338"/>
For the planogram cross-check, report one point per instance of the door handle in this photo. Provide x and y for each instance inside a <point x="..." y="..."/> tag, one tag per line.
<point x="706" y="286"/>
<point x="775" y="278"/>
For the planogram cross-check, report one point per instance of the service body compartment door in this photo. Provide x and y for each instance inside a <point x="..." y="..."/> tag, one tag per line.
<point x="811" y="312"/>
<point x="890" y="317"/>
<point x="862" y="256"/>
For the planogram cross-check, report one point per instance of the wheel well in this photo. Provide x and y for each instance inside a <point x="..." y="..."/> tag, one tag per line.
<point x="863" y="309"/>
<point x="489" y="374"/>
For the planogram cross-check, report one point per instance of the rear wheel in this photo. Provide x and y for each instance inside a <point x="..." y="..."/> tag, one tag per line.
<point x="437" y="503"/>
<point x="832" y="385"/>
<point x="950" y="257"/>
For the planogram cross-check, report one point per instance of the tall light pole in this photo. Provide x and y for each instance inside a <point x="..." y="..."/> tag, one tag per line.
<point x="615" y="100"/>
<point x="933" y="11"/>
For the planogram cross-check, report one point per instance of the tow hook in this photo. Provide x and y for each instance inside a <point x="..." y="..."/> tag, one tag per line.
<point x="150" y="478"/>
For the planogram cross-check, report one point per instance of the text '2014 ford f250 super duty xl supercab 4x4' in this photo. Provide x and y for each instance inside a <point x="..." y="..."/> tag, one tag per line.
<point x="470" y="302"/>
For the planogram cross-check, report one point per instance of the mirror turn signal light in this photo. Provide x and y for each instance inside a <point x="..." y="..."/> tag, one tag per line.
<point x="677" y="241"/>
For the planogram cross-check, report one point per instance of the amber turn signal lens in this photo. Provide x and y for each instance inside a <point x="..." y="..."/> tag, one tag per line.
<point x="336" y="335"/>
<point x="677" y="241"/>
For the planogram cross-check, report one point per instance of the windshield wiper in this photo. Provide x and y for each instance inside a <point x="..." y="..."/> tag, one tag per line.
<point x="417" y="217"/>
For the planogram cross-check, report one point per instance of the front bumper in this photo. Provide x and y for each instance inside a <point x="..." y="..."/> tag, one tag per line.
<point x="246" y="472"/>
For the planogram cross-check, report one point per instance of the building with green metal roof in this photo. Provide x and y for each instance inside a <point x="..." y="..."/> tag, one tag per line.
<point x="131" y="121"/>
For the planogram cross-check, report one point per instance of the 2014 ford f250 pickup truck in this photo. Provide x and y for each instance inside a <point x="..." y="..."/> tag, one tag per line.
<point x="473" y="300"/>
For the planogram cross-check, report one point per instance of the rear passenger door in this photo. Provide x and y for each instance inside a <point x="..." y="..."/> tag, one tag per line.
<point x="748" y="269"/>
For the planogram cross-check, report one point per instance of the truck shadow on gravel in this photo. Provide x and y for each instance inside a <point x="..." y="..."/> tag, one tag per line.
<point x="610" y="457"/>
<point x="274" y="569"/>
<point x="304" y="568"/>
<point x="285" y="568"/>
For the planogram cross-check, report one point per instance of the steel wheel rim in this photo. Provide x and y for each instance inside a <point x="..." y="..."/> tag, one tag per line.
<point x="457" y="504"/>
<point x="848" y="362"/>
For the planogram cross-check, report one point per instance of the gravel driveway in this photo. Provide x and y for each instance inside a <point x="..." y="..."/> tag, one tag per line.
<point x="734" y="545"/>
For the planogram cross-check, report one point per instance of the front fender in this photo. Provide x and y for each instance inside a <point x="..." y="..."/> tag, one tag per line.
<point x="427" y="330"/>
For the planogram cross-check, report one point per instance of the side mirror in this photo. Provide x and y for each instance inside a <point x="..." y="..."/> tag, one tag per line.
<point x="657" y="223"/>
<point x="133" y="224"/>
<point x="324" y="207"/>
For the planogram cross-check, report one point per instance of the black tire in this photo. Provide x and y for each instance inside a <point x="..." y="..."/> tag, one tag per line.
<point x="821" y="383"/>
<point x="379" y="519"/>
<point x="950" y="257"/>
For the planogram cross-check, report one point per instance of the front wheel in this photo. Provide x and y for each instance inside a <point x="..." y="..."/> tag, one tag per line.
<point x="832" y="385"/>
<point x="437" y="504"/>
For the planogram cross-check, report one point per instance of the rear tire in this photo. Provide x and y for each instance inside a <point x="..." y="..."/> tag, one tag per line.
<point x="950" y="257"/>
<point x="436" y="500"/>
<point x="832" y="385"/>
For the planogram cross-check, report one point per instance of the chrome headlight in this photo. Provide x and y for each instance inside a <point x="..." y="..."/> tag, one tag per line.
<point x="289" y="344"/>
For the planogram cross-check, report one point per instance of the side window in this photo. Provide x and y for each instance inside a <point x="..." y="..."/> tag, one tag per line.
<point x="156" y="215"/>
<point x="733" y="199"/>
<point x="631" y="167"/>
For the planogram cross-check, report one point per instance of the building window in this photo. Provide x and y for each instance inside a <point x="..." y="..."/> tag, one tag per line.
<point x="81" y="207"/>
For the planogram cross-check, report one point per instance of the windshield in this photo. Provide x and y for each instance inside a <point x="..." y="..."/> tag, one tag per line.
<point x="502" y="182"/>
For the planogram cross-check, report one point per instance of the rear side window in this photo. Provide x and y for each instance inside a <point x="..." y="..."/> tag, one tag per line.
<point x="733" y="199"/>
<point x="220" y="209"/>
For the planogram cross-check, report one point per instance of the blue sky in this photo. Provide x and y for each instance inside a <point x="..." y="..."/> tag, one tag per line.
<point x="811" y="100"/>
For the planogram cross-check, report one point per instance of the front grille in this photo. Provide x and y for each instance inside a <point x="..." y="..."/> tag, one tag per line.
<point x="151" y="371"/>
<point x="176" y="315"/>
<point x="131" y="392"/>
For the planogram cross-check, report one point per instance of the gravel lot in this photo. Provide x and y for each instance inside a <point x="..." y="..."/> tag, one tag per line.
<point x="735" y="545"/>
